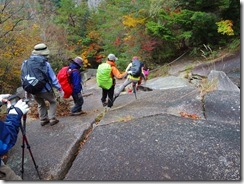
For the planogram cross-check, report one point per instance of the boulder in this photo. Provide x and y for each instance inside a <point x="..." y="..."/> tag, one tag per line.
<point x="223" y="82"/>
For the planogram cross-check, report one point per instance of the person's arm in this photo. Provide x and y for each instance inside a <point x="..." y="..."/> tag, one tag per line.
<point x="9" y="132"/>
<point x="128" y="67"/>
<point x="76" y="81"/>
<point x="143" y="74"/>
<point x="117" y="73"/>
<point x="52" y="76"/>
<point x="10" y="128"/>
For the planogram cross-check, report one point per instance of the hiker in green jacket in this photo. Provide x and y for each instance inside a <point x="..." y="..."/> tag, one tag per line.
<point x="108" y="86"/>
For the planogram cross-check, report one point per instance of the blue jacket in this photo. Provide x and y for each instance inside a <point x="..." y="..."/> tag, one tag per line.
<point x="76" y="79"/>
<point x="50" y="73"/>
<point x="9" y="132"/>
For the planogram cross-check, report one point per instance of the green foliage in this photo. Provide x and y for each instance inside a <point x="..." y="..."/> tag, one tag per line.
<point x="159" y="30"/>
<point x="235" y="44"/>
<point x="73" y="17"/>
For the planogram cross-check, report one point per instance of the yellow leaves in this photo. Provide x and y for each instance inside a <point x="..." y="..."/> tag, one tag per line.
<point x="85" y="60"/>
<point x="225" y="27"/>
<point x="125" y="118"/>
<point x="79" y="42"/>
<point x="130" y="21"/>
<point x="128" y="38"/>
<point x="94" y="35"/>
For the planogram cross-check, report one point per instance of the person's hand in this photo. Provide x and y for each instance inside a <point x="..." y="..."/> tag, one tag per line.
<point x="61" y="93"/>
<point x="4" y="97"/>
<point x="125" y="75"/>
<point x="20" y="108"/>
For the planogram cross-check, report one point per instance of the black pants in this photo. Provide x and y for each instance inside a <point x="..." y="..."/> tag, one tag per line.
<point x="78" y="102"/>
<point x="110" y="94"/>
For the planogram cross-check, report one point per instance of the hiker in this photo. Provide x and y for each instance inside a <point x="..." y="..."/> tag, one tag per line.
<point x="9" y="134"/>
<point x="132" y="78"/>
<point x="76" y="80"/>
<point x="144" y="75"/>
<point x="146" y="71"/>
<point x="108" y="87"/>
<point x="41" y="54"/>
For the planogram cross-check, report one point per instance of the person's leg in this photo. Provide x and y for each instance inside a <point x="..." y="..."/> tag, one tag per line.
<point x="110" y="96"/>
<point x="104" y="97"/>
<point x="50" y="97"/>
<point x="42" y="109"/>
<point x="53" y="104"/>
<point x="134" y="86"/>
<point x="139" y="83"/>
<point x="78" y="102"/>
<point x="122" y="87"/>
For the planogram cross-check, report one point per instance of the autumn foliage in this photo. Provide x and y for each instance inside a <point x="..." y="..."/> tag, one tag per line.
<point x="157" y="30"/>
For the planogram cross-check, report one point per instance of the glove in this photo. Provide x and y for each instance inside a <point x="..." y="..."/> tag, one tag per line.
<point x="20" y="108"/>
<point x="4" y="96"/>
<point x="61" y="93"/>
<point x="129" y="72"/>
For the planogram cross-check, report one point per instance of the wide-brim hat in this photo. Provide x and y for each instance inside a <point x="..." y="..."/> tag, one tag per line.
<point x="78" y="60"/>
<point x="41" y="49"/>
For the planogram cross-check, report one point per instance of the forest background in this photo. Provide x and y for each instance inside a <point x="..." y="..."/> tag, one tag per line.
<point x="158" y="31"/>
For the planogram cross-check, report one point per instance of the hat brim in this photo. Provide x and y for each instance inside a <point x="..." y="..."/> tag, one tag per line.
<point x="45" y="52"/>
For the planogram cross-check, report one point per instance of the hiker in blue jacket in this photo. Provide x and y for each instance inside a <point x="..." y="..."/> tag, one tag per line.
<point x="76" y="81"/>
<point x="9" y="134"/>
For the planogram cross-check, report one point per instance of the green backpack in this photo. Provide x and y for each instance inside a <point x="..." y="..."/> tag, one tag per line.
<point x="104" y="79"/>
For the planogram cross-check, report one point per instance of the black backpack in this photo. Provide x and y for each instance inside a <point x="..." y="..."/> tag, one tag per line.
<point x="34" y="75"/>
<point x="136" y="68"/>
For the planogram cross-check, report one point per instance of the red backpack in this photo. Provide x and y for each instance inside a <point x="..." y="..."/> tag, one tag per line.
<point x="63" y="77"/>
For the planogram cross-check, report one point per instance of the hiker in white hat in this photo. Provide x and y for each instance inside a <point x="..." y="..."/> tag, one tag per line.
<point x="38" y="61"/>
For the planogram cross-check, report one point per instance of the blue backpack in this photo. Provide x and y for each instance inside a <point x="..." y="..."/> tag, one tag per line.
<point x="34" y="75"/>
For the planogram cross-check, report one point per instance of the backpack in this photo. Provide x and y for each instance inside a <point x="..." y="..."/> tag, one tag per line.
<point x="64" y="80"/>
<point x="103" y="76"/>
<point x="136" y="68"/>
<point x="34" y="75"/>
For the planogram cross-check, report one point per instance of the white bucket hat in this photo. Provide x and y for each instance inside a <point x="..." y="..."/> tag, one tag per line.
<point x="41" y="49"/>
<point x="112" y="57"/>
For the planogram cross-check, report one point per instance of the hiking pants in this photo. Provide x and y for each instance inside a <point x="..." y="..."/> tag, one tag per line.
<point x="126" y="83"/>
<point x="42" y="108"/>
<point x="78" y="101"/>
<point x="108" y="93"/>
<point x="6" y="173"/>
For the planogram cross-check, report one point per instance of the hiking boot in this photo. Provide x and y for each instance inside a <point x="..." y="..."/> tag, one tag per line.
<point x="105" y="104"/>
<point x="44" y="122"/>
<point x="53" y="121"/>
<point x="77" y="113"/>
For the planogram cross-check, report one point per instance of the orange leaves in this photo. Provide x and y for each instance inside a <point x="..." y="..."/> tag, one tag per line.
<point x="186" y="115"/>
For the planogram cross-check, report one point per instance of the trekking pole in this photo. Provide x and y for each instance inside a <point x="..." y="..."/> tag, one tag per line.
<point x="23" y="152"/>
<point x="134" y="89"/>
<point x="25" y="141"/>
